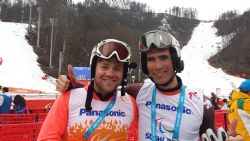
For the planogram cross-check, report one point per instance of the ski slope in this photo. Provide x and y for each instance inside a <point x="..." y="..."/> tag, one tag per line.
<point x="197" y="71"/>
<point x="19" y="66"/>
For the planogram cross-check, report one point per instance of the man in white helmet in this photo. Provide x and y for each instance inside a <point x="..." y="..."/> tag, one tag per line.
<point x="97" y="111"/>
<point x="168" y="110"/>
<point x="175" y="112"/>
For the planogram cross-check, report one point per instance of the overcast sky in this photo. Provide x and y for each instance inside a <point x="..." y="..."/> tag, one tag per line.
<point x="207" y="9"/>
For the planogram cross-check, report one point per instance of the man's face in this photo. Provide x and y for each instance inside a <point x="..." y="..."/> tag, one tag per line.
<point x="108" y="75"/>
<point x="160" y="65"/>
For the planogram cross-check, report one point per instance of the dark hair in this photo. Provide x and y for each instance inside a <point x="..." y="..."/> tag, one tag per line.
<point x="19" y="100"/>
<point x="5" y="89"/>
<point x="224" y="100"/>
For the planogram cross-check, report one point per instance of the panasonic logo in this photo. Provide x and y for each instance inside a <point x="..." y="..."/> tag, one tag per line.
<point x="169" y="107"/>
<point x="98" y="113"/>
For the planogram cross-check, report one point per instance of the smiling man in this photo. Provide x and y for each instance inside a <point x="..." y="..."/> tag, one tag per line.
<point x="97" y="111"/>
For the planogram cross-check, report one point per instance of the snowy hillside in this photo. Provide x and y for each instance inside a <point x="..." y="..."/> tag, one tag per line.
<point x="19" y="67"/>
<point x="197" y="72"/>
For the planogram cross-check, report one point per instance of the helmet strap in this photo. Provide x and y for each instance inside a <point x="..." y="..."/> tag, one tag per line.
<point x="89" y="96"/>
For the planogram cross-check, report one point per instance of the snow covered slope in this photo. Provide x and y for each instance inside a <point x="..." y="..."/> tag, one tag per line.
<point x="19" y="67"/>
<point x="197" y="72"/>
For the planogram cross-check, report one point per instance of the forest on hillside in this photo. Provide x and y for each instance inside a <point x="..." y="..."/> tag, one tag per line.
<point x="64" y="33"/>
<point x="234" y="58"/>
<point x="68" y="31"/>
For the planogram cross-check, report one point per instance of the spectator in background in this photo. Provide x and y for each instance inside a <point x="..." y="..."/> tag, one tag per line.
<point x="220" y="103"/>
<point x="214" y="99"/>
<point x="5" y="101"/>
<point x="0" y="88"/>
<point x="1" y="97"/>
<point x="19" y="104"/>
<point x="225" y="102"/>
<point x="239" y="107"/>
<point x="45" y="77"/>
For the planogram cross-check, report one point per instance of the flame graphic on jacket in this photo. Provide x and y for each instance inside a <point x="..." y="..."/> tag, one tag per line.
<point x="113" y="130"/>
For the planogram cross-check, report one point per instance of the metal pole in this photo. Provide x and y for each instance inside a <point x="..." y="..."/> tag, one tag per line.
<point x="22" y="16"/>
<point x="61" y="58"/>
<point x="38" y="26"/>
<point x="139" y="70"/>
<point x="60" y="63"/>
<point x="52" y="21"/>
<point x="133" y="79"/>
<point x="23" y="4"/>
<point x="30" y="15"/>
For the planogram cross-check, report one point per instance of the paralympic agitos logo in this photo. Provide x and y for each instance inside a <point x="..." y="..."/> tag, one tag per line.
<point x="161" y="123"/>
<point x="162" y="127"/>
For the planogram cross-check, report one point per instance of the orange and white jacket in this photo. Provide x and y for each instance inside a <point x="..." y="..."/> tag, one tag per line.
<point x="69" y="120"/>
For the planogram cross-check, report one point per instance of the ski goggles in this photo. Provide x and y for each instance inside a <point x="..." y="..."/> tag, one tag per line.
<point x="159" y="38"/>
<point x="107" y="48"/>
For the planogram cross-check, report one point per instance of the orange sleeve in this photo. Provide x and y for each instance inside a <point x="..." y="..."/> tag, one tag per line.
<point x="55" y="124"/>
<point x="133" y="129"/>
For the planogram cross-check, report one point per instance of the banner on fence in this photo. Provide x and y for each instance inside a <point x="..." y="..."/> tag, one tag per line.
<point x="82" y="73"/>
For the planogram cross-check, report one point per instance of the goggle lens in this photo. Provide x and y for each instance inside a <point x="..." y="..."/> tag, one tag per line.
<point x="158" y="38"/>
<point x="109" y="49"/>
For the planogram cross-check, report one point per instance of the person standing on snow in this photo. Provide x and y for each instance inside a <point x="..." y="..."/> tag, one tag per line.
<point x="5" y="101"/>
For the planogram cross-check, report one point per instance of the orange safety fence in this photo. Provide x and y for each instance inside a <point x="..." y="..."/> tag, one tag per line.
<point x="22" y="90"/>
<point x="41" y="117"/>
<point x="38" y="104"/>
<point x="21" y="118"/>
<point x="17" y="118"/>
<point x="20" y="132"/>
<point x="221" y="119"/>
<point x="37" y="110"/>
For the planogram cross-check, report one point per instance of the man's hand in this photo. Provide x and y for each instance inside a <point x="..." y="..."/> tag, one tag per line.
<point x="64" y="81"/>
<point x="236" y="138"/>
<point x="232" y="134"/>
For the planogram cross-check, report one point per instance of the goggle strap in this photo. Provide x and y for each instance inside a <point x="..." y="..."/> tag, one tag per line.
<point x="90" y="94"/>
